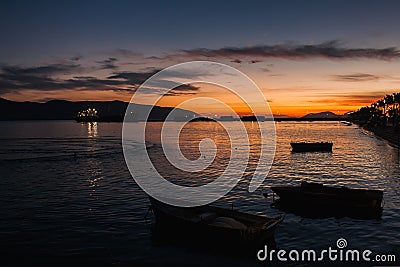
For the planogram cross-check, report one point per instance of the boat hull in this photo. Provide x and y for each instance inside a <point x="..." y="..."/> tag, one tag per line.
<point x="181" y="223"/>
<point x="312" y="147"/>
<point x="324" y="201"/>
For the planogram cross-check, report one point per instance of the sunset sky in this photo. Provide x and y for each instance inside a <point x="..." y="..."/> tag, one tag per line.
<point x="306" y="56"/>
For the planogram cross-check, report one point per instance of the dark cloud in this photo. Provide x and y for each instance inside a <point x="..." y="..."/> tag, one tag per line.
<point x="14" y="83"/>
<point x="93" y="83"/>
<point x="134" y="77"/>
<point x="51" y="69"/>
<point x="76" y="58"/>
<point x="184" y="89"/>
<point x="255" y="61"/>
<point x="356" y="77"/>
<point x="108" y="63"/>
<point x="236" y="61"/>
<point x="137" y="78"/>
<point x="331" y="50"/>
<point x="44" y="78"/>
<point x="125" y="53"/>
<point x="11" y="82"/>
<point x="178" y="89"/>
<point x="188" y="74"/>
<point x="18" y="78"/>
<point x="140" y="77"/>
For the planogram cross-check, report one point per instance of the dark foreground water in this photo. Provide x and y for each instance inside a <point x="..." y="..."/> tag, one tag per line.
<point x="67" y="196"/>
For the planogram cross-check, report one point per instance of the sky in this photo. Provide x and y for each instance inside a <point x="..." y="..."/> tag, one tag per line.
<point x="305" y="56"/>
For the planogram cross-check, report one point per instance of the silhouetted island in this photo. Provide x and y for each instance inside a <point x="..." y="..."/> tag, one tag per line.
<point x="202" y="119"/>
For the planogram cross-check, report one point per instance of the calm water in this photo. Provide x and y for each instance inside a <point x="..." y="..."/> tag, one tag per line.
<point x="67" y="195"/>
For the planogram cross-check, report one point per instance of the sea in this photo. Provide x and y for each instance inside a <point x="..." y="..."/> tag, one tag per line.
<point x="68" y="198"/>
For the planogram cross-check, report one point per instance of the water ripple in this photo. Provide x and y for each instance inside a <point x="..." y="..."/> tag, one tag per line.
<point x="67" y="195"/>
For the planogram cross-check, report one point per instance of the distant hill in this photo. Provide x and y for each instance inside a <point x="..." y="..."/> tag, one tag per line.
<point x="281" y="116"/>
<point x="322" y="115"/>
<point x="67" y="110"/>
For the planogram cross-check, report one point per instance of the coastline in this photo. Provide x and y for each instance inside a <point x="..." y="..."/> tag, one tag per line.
<point x="387" y="133"/>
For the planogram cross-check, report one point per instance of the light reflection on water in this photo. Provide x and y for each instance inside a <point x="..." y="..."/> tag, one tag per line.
<point x="67" y="194"/>
<point x="91" y="129"/>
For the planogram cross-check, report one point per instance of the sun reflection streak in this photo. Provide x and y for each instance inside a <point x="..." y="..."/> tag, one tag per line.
<point x="92" y="129"/>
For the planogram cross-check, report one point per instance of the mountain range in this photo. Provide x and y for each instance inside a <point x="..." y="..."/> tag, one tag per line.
<point x="107" y="110"/>
<point x="68" y="110"/>
<point x="322" y="115"/>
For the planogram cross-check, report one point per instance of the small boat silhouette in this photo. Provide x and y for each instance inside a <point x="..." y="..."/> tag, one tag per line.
<point x="311" y="147"/>
<point x="314" y="199"/>
<point x="215" y="225"/>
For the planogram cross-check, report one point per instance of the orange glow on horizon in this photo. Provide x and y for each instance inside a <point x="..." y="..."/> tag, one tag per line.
<point x="292" y="87"/>
<point x="287" y="107"/>
<point x="282" y="102"/>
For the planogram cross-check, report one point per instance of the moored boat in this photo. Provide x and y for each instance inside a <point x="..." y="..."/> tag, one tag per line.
<point x="314" y="198"/>
<point x="215" y="225"/>
<point x="311" y="147"/>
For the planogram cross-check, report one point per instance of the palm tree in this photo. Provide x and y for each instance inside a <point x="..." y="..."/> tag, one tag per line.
<point x="396" y="100"/>
<point x="377" y="113"/>
<point x="389" y="103"/>
<point x="382" y="107"/>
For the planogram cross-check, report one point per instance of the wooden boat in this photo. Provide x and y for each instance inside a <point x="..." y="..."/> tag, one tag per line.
<point x="310" y="147"/>
<point x="215" y="225"/>
<point x="318" y="199"/>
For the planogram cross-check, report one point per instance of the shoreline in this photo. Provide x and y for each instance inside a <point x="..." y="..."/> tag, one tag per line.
<point x="387" y="133"/>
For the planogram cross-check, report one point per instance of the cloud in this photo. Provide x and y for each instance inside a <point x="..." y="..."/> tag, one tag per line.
<point x="9" y="83"/>
<point x="250" y="62"/>
<point x="39" y="77"/>
<point x="137" y="78"/>
<point x="93" y="83"/>
<point x="51" y="69"/>
<point x="287" y="90"/>
<point x="76" y="58"/>
<point x="356" y="77"/>
<point x="45" y="78"/>
<point x="140" y="77"/>
<point x="108" y="63"/>
<point x="360" y="95"/>
<point x="124" y="53"/>
<point x="264" y="69"/>
<point x="178" y="89"/>
<point x="350" y="98"/>
<point x="329" y="50"/>
<point x="134" y="77"/>
<point x="184" y="89"/>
